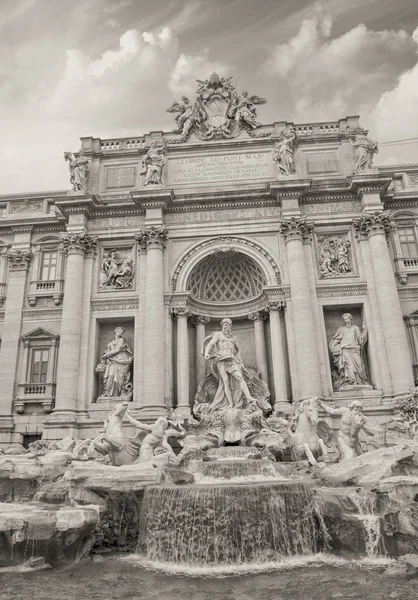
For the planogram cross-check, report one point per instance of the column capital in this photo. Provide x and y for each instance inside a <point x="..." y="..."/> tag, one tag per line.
<point x="19" y="260"/>
<point x="296" y="228"/>
<point x="180" y="311"/>
<point x="200" y="320"/>
<point x="278" y="306"/>
<point x="77" y="243"/>
<point x="153" y="237"/>
<point x="373" y="223"/>
<point x="258" y="315"/>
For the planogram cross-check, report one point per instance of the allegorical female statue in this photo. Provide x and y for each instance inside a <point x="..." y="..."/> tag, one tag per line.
<point x="79" y="171"/>
<point x="116" y="365"/>
<point x="152" y="163"/>
<point x="346" y="347"/>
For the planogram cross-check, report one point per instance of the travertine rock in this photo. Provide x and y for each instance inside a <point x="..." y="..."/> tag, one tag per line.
<point x="104" y="478"/>
<point x="368" y="468"/>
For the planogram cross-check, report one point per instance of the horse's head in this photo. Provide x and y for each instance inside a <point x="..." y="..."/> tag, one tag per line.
<point x="310" y="408"/>
<point x="120" y="410"/>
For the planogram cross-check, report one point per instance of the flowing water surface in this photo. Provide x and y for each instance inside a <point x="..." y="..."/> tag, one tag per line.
<point x="125" y="578"/>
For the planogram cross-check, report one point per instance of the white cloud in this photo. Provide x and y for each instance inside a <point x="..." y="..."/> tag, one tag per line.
<point x="327" y="77"/>
<point x="396" y="113"/>
<point x="124" y="91"/>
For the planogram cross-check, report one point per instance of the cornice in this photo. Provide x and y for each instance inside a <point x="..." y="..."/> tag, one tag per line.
<point x="78" y="204"/>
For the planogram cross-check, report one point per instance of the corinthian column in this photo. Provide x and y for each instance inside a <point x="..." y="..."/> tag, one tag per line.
<point x="183" y="400"/>
<point x="75" y="246"/>
<point x="199" y="321"/>
<point x="140" y="324"/>
<point x="258" y="317"/>
<point x="278" y="355"/>
<point x="152" y="402"/>
<point x="18" y="262"/>
<point x="375" y="227"/>
<point x="294" y="231"/>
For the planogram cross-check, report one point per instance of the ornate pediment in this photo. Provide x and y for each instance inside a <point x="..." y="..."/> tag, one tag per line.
<point x="218" y="110"/>
<point x="39" y="334"/>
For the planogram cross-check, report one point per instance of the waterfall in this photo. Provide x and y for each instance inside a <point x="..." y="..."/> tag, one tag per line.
<point x="228" y="524"/>
<point x="233" y="469"/>
<point x="366" y="506"/>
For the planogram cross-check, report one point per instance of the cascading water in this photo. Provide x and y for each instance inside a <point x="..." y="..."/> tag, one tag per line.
<point x="367" y="508"/>
<point x="228" y="524"/>
<point x="231" y="470"/>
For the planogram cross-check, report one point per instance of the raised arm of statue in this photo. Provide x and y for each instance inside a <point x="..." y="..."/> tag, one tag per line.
<point x="138" y="424"/>
<point x="330" y="410"/>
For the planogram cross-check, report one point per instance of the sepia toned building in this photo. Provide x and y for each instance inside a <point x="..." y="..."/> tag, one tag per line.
<point x="282" y="228"/>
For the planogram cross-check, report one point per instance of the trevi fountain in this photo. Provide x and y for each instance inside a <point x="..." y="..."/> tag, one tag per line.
<point x="208" y="366"/>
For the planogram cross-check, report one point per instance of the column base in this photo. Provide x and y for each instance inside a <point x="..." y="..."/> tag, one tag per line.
<point x="183" y="411"/>
<point x="61" y="424"/>
<point x="151" y="412"/>
<point x="283" y="407"/>
<point x="6" y="429"/>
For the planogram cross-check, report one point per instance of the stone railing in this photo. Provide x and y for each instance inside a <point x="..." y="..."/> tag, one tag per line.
<point x="313" y="129"/>
<point x="35" y="393"/>
<point x="122" y="144"/>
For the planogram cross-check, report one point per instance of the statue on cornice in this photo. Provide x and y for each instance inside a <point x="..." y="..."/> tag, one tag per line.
<point x="152" y="163"/>
<point x="78" y="171"/>
<point x="365" y="149"/>
<point x="218" y="110"/>
<point x="284" y="150"/>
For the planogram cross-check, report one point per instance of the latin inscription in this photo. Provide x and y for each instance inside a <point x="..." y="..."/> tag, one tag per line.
<point x="214" y="216"/>
<point x="213" y="169"/>
<point x="331" y="208"/>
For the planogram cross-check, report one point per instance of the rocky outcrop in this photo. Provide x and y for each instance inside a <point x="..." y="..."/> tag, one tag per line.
<point x="60" y="536"/>
<point x="369" y="468"/>
<point x="104" y="479"/>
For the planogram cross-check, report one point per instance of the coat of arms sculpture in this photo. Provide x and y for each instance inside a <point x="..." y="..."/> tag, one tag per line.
<point x="218" y="110"/>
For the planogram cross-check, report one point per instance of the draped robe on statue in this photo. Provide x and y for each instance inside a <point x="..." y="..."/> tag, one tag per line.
<point x="345" y="348"/>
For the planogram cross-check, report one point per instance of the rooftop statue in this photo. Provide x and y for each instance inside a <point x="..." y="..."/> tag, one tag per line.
<point x="218" y="110"/>
<point x="152" y="164"/>
<point x="284" y="150"/>
<point x="78" y="171"/>
<point x="365" y="149"/>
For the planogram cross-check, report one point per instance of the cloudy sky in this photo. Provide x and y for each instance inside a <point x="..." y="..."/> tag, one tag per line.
<point x="71" y="68"/>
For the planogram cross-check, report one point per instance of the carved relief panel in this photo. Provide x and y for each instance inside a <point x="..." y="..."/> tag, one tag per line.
<point x="335" y="255"/>
<point x="117" y="268"/>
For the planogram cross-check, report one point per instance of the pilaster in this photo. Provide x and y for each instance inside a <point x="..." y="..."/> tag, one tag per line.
<point x="183" y="393"/>
<point x="278" y="352"/>
<point x="18" y="260"/>
<point x="375" y="227"/>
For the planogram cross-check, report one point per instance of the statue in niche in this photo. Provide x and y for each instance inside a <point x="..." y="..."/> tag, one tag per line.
<point x="351" y="423"/>
<point x="284" y="151"/>
<point x="346" y="346"/>
<point x="152" y="163"/>
<point x="365" y="149"/>
<point x="115" y="365"/>
<point x="78" y="171"/>
<point x="334" y="256"/>
<point x="116" y="271"/>
<point x="235" y="383"/>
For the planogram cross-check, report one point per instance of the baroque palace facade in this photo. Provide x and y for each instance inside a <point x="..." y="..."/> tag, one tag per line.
<point x="282" y="228"/>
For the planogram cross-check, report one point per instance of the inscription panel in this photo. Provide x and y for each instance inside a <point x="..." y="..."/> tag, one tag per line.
<point x="220" y="167"/>
<point x="331" y="208"/>
<point x="322" y="162"/>
<point x="214" y="216"/>
<point x="120" y="177"/>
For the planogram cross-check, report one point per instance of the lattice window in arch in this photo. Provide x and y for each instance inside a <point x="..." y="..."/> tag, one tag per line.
<point x="226" y="277"/>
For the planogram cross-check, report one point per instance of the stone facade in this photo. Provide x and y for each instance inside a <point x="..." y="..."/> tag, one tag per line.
<point x="200" y="225"/>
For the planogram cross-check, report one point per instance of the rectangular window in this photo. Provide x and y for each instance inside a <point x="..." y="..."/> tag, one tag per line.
<point x="408" y="242"/>
<point x="39" y="367"/>
<point x="48" y="265"/>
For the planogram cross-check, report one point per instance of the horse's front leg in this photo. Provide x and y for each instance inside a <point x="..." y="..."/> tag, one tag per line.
<point x="311" y="458"/>
<point x="324" y="450"/>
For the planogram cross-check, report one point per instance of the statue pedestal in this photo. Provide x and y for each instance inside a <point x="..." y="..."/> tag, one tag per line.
<point x="113" y="399"/>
